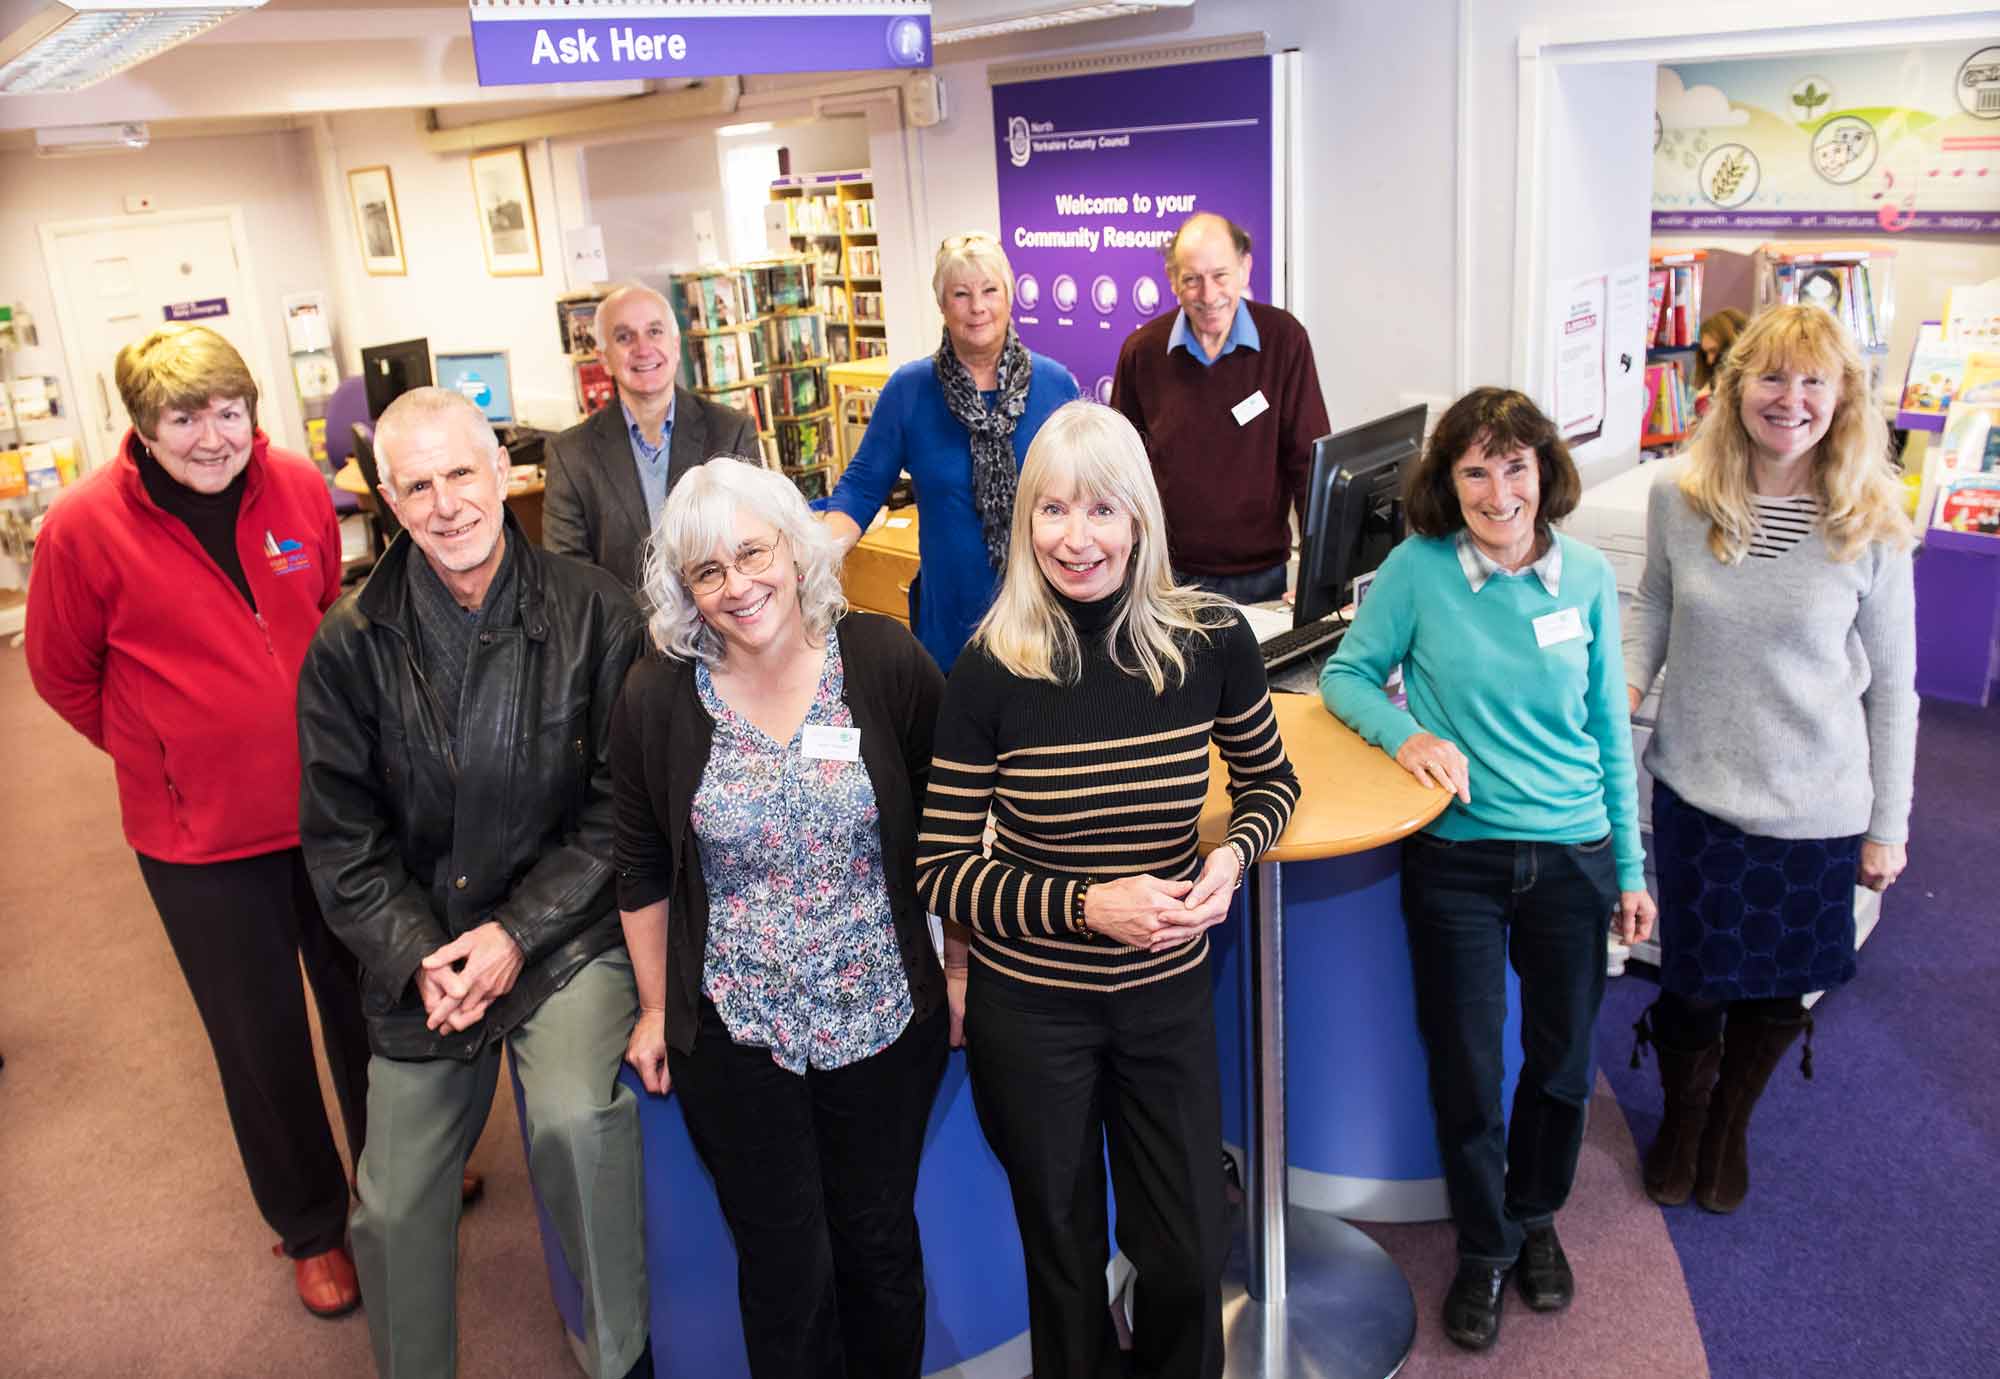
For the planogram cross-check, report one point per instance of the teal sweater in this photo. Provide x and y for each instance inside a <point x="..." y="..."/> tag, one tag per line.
<point x="1545" y="729"/>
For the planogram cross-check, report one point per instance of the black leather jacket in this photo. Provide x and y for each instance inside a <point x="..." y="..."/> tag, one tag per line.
<point x="409" y="847"/>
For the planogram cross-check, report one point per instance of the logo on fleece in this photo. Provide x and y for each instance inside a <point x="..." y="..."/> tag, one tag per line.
<point x="287" y="557"/>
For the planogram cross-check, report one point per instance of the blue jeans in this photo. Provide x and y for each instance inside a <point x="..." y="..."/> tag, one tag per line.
<point x="1259" y="586"/>
<point x="1470" y="908"/>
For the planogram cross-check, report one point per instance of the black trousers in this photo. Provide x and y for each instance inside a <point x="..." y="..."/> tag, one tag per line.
<point x="1470" y="908"/>
<point x="817" y="1177"/>
<point x="1058" y="1078"/>
<point x="240" y="930"/>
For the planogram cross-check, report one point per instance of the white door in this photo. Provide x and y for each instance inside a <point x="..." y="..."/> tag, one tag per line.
<point x="116" y="280"/>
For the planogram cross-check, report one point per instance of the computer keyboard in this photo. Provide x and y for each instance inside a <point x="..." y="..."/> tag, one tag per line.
<point x="1314" y="639"/>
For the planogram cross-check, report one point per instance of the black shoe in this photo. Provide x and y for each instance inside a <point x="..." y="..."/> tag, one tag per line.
<point x="642" y="1368"/>
<point x="1543" y="1272"/>
<point x="1472" y="1307"/>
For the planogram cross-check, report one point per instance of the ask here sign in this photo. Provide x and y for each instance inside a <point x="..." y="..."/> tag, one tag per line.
<point x="519" y="42"/>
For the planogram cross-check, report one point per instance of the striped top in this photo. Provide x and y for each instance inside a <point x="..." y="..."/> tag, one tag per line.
<point x="1092" y="781"/>
<point x="1781" y="523"/>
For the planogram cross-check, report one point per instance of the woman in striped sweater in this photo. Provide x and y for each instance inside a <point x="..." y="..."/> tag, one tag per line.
<point x="1080" y="716"/>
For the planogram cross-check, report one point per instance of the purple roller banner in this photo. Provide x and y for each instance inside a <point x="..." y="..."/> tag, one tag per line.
<point x="527" y="43"/>
<point x="1096" y="172"/>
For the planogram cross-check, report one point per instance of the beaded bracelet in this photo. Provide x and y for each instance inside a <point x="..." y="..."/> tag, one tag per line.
<point x="1076" y="921"/>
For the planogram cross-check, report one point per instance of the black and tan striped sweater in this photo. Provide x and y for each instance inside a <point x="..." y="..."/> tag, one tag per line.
<point x="1095" y="780"/>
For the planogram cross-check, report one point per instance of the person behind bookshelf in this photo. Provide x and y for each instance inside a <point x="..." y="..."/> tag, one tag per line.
<point x="608" y="474"/>
<point x="1778" y="596"/>
<point x="959" y="423"/>
<point x="1718" y="333"/>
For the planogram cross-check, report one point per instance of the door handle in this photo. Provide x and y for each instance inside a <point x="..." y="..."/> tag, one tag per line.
<point x="104" y="401"/>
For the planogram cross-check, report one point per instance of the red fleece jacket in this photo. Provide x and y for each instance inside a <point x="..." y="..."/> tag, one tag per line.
<point x="140" y="641"/>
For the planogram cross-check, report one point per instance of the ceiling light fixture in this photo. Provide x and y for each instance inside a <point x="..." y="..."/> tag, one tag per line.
<point x="1029" y="17"/>
<point x="66" y="45"/>
<point x="76" y="140"/>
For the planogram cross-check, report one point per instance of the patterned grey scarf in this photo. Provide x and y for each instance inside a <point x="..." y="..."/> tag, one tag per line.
<point x="994" y="471"/>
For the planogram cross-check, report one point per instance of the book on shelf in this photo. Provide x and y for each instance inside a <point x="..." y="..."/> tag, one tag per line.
<point x="722" y="361"/>
<point x="826" y="257"/>
<point x="1850" y="285"/>
<point x="1937" y="369"/>
<point x="1673" y="294"/>
<point x="804" y="442"/>
<point x="594" y="386"/>
<point x="781" y="286"/>
<point x="869" y="347"/>
<point x="815" y="213"/>
<point x="838" y="347"/>
<point x="1669" y="401"/>
<point x="860" y="216"/>
<point x="749" y="400"/>
<point x="796" y="392"/>
<point x="831" y="299"/>
<point x="714" y="301"/>
<point x="864" y="261"/>
<point x="867" y="305"/>
<point x="812" y="481"/>
<point x="794" y="338"/>
<point x="576" y="324"/>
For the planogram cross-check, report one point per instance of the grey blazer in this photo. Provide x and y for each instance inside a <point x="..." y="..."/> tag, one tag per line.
<point x="592" y="505"/>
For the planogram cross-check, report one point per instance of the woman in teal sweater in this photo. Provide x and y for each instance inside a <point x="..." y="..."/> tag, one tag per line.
<point x="1507" y="633"/>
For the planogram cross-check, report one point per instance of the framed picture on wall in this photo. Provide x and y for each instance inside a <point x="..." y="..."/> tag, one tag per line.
<point x="375" y="221"/>
<point x="506" y="208"/>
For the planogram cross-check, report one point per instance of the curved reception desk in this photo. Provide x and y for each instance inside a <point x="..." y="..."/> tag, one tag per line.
<point x="1323" y="1088"/>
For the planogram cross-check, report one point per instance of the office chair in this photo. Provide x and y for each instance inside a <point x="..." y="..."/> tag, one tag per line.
<point x="386" y="525"/>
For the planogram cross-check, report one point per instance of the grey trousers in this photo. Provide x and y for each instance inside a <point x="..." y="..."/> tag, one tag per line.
<point x="583" y="1154"/>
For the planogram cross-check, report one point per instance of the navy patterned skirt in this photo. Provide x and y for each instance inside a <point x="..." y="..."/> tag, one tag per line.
<point x="1744" y="917"/>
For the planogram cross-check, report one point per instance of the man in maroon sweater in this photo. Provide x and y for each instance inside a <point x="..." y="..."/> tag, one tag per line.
<point x="1227" y="397"/>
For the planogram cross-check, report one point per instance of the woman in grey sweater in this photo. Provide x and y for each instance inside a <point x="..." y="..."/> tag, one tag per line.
<point x="1777" y="593"/>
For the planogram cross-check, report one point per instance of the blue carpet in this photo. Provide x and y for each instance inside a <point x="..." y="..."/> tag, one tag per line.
<point x="1870" y="1243"/>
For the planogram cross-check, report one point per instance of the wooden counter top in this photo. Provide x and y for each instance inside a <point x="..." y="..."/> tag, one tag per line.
<point x="1352" y="797"/>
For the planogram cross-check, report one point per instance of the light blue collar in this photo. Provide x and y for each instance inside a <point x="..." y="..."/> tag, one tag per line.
<point x="1242" y="331"/>
<point x="639" y="437"/>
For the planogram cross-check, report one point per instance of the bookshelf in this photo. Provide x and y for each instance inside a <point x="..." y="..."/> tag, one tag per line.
<point x="1685" y="286"/>
<point x="576" y="328"/>
<point x="1855" y="282"/>
<point x="756" y="340"/>
<point x="830" y="219"/>
<point x="856" y="386"/>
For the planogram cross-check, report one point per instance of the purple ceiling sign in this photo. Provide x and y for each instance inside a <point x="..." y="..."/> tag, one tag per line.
<point x="522" y="42"/>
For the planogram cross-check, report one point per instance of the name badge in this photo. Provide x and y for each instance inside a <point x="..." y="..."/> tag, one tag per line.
<point x="822" y="743"/>
<point x="1564" y="625"/>
<point x="1250" y="408"/>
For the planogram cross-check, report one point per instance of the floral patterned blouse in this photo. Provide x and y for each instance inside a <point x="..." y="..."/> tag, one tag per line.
<point x="801" y="953"/>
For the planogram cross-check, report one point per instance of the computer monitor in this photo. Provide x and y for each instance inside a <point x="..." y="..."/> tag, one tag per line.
<point x="392" y="370"/>
<point x="1354" y="508"/>
<point x="481" y="375"/>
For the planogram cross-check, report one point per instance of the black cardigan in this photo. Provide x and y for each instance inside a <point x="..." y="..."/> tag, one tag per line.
<point x="660" y="739"/>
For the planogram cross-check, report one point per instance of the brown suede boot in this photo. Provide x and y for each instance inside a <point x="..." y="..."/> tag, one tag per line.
<point x="1751" y="1050"/>
<point x="1687" y="1078"/>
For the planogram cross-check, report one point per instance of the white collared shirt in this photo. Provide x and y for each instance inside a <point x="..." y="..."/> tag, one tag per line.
<point x="1480" y="567"/>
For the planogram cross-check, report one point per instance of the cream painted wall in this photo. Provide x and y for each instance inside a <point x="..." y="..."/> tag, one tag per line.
<point x="268" y="175"/>
<point x="447" y="296"/>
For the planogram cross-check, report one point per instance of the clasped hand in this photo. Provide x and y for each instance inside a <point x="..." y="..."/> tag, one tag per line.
<point x="463" y="978"/>
<point x="1147" y="912"/>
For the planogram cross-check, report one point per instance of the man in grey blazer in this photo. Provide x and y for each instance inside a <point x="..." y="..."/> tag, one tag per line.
<point x="608" y="475"/>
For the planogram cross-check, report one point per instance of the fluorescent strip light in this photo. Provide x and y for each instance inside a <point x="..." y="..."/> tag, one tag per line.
<point x="1049" y="17"/>
<point x="66" y="45"/>
<point x="75" y="140"/>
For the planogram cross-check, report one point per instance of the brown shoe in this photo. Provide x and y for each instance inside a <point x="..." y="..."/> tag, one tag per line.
<point x="470" y="1187"/>
<point x="326" y="1283"/>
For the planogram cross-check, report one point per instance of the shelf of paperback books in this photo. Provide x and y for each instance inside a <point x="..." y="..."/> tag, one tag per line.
<point x="1855" y="282"/>
<point x="756" y="340"/>
<point x="830" y="218"/>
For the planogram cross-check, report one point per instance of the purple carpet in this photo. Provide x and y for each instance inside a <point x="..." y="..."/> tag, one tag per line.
<point x="1870" y="1244"/>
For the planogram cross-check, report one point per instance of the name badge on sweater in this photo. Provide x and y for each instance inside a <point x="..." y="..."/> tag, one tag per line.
<point x="1250" y="408"/>
<point x="831" y="744"/>
<point x="1564" y="625"/>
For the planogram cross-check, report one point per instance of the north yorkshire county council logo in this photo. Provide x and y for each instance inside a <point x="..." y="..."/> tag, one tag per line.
<point x="1017" y="140"/>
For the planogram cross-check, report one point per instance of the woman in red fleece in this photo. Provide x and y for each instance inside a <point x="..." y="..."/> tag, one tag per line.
<point x="174" y="592"/>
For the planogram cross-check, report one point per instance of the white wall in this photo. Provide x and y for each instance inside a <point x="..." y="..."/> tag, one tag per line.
<point x="447" y="296"/>
<point x="645" y="194"/>
<point x="268" y="175"/>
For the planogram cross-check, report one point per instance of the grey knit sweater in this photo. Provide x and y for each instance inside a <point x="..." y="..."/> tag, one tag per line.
<point x="1790" y="707"/>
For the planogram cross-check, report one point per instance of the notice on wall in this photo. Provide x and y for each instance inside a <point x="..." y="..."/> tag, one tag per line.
<point x="1096" y="172"/>
<point x="1579" y="356"/>
<point x="1896" y="140"/>
<point x="584" y="261"/>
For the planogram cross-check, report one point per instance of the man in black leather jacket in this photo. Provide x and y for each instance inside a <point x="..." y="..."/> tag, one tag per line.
<point x="456" y="817"/>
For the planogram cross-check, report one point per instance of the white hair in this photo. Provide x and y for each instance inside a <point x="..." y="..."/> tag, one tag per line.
<point x="699" y="518"/>
<point x="420" y="405"/>
<point x="974" y="254"/>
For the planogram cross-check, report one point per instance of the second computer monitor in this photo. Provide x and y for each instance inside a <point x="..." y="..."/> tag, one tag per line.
<point x="392" y="370"/>
<point x="1354" y="508"/>
<point x="481" y="375"/>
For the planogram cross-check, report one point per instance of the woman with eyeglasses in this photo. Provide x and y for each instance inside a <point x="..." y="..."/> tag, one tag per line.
<point x="959" y="424"/>
<point x="769" y="765"/>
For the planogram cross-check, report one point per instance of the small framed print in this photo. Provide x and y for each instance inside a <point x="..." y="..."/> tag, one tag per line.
<point x="506" y="209"/>
<point x="375" y="221"/>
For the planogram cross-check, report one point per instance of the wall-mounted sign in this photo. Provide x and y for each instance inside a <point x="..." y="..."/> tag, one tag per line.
<point x="518" y="42"/>
<point x="1096" y="173"/>
<point x="1898" y="141"/>
<point x="195" y="311"/>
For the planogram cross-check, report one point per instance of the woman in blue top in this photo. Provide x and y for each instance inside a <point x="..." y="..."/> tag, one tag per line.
<point x="959" y="422"/>
<point x="1507" y="633"/>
